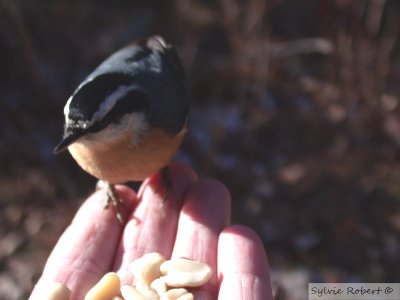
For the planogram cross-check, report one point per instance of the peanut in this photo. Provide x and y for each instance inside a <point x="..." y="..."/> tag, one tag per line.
<point x="106" y="288"/>
<point x="147" y="268"/>
<point x="159" y="286"/>
<point x="185" y="272"/>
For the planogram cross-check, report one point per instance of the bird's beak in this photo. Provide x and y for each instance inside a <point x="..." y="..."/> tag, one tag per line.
<point x="68" y="139"/>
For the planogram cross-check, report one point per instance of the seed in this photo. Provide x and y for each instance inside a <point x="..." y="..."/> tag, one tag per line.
<point x="106" y="288"/>
<point x="147" y="268"/>
<point x="185" y="272"/>
<point x="57" y="291"/>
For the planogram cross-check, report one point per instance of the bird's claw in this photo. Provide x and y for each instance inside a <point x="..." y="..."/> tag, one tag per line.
<point x="114" y="199"/>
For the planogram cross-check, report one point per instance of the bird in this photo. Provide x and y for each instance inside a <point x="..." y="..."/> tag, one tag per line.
<point x="127" y="119"/>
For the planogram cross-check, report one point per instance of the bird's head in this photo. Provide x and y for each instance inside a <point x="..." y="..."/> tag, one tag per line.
<point x="103" y="107"/>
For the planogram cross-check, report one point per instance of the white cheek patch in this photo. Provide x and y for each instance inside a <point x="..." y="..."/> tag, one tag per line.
<point x="106" y="106"/>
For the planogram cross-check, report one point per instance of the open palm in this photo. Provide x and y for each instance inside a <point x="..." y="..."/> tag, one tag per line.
<point x="194" y="222"/>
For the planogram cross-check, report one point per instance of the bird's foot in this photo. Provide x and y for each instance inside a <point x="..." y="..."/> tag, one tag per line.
<point x="112" y="198"/>
<point x="165" y="183"/>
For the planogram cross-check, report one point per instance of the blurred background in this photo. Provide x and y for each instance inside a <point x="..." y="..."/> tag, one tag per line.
<point x="295" y="107"/>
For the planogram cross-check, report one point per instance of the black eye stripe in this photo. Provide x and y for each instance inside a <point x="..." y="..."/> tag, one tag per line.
<point x="133" y="101"/>
<point x="87" y="99"/>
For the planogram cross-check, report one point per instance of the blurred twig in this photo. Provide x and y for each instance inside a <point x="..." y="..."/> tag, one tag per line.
<point x="374" y="15"/>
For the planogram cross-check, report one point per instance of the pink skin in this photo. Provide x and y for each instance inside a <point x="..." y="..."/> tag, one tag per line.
<point x="194" y="222"/>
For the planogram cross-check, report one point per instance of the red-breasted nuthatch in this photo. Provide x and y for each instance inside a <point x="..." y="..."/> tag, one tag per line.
<point x="128" y="117"/>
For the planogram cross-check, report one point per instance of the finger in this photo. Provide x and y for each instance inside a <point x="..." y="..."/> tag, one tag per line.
<point x="242" y="265"/>
<point x="206" y="212"/>
<point x="152" y="227"/>
<point x="86" y="249"/>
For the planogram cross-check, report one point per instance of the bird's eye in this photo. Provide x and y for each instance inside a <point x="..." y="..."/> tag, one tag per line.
<point x="87" y="99"/>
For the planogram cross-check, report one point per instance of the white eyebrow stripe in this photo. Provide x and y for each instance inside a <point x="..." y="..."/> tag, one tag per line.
<point x="105" y="106"/>
<point x="68" y="104"/>
<point x="110" y="101"/>
<point x="66" y="107"/>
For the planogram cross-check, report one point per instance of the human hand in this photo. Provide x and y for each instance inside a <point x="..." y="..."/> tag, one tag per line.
<point x="194" y="222"/>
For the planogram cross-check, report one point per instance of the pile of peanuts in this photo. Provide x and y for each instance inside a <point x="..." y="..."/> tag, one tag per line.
<point x="155" y="279"/>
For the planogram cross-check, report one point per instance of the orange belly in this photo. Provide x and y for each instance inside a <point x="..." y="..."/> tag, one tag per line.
<point x="120" y="161"/>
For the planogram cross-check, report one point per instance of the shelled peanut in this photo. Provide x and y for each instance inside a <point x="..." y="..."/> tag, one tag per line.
<point x="155" y="279"/>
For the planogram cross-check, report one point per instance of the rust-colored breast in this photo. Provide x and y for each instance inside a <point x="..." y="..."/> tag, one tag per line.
<point x="121" y="160"/>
